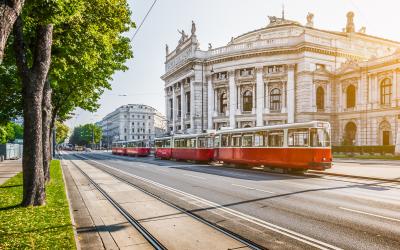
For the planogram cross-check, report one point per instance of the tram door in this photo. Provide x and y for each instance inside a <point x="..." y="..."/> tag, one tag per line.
<point x="385" y="138"/>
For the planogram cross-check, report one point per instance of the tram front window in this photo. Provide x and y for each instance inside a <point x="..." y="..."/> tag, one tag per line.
<point x="320" y="137"/>
<point x="298" y="137"/>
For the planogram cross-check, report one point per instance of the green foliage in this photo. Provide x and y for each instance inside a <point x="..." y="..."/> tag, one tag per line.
<point x="62" y="131"/>
<point x="44" y="227"/>
<point x="389" y="149"/>
<point x="88" y="48"/>
<point x="85" y="134"/>
<point x="10" y="132"/>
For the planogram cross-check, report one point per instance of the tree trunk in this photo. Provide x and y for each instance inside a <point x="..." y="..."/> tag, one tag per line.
<point x="33" y="81"/>
<point x="9" y="11"/>
<point x="46" y="130"/>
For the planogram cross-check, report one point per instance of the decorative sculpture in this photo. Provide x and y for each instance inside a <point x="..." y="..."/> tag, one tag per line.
<point x="209" y="46"/>
<point x="183" y="36"/>
<point x="193" y="30"/>
<point x="350" y="23"/>
<point x="166" y="49"/>
<point x="310" y="21"/>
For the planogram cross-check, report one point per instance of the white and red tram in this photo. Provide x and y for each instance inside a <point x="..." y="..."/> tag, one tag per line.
<point x="295" y="146"/>
<point x="290" y="146"/>
<point x="132" y="148"/>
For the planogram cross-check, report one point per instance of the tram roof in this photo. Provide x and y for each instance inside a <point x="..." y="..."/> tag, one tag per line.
<point x="311" y="124"/>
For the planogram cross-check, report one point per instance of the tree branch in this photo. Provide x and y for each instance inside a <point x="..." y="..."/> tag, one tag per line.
<point x="20" y="49"/>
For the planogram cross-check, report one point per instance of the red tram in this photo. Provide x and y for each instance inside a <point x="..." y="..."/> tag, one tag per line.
<point x="298" y="146"/>
<point x="132" y="148"/>
<point x="118" y="148"/>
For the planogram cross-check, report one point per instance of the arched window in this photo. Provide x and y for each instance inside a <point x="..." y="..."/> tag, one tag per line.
<point x="350" y="133"/>
<point x="247" y="101"/>
<point x="275" y="100"/>
<point x="223" y="103"/>
<point x="386" y="91"/>
<point x="385" y="133"/>
<point x="320" y="98"/>
<point x="351" y="96"/>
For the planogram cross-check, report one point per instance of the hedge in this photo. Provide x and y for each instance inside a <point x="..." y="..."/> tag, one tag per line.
<point x="364" y="149"/>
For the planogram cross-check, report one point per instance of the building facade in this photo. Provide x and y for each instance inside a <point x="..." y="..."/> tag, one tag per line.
<point x="132" y="122"/>
<point x="287" y="72"/>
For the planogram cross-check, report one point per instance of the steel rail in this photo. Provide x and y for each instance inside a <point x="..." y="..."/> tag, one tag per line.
<point x="148" y="236"/>
<point x="231" y="234"/>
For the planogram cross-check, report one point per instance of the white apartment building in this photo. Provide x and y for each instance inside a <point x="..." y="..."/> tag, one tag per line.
<point x="132" y="122"/>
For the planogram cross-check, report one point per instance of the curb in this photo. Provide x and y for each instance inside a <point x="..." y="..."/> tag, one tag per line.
<point x="355" y="176"/>
<point x="77" y="244"/>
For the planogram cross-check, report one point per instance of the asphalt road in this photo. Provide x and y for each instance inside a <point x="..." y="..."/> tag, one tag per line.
<point x="277" y="211"/>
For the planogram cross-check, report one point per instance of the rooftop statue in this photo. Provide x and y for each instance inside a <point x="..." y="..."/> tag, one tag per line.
<point x="193" y="30"/>
<point x="183" y="36"/>
<point x="310" y="20"/>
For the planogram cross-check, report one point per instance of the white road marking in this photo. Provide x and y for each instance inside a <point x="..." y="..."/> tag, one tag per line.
<point x="194" y="176"/>
<point x="375" y="215"/>
<point x="250" y="188"/>
<point x="284" y="231"/>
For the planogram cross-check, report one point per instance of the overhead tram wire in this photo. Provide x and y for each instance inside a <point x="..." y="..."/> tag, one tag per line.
<point x="144" y="19"/>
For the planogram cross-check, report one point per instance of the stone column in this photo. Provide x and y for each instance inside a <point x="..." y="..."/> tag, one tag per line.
<point x="183" y="113"/>
<point x="394" y="86"/>
<point x="369" y="78"/>
<point x="211" y="102"/>
<point x="397" y="143"/>
<point x="284" y="97"/>
<point x="173" y="108"/>
<point x="253" y="110"/>
<point x="266" y="93"/>
<point x="359" y="95"/>
<point x="167" y="108"/>
<point x="313" y="97"/>
<point x="376" y="91"/>
<point x="192" y="111"/>
<point x="259" y="97"/>
<point x="232" y="99"/>
<point x="340" y="95"/>
<point x="328" y="100"/>
<point x="290" y="93"/>
<point x="398" y="89"/>
<point x="239" y="100"/>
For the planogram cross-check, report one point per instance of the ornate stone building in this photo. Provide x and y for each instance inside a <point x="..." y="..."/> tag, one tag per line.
<point x="287" y="72"/>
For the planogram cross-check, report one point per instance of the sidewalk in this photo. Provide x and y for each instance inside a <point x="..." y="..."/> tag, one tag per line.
<point x="174" y="229"/>
<point x="9" y="168"/>
<point x="369" y="169"/>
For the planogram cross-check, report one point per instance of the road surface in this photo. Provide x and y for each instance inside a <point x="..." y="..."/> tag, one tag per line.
<point x="277" y="211"/>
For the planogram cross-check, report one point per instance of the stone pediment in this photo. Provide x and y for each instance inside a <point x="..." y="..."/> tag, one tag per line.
<point x="348" y="67"/>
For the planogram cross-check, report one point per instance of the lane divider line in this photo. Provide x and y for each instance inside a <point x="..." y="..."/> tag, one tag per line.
<point x="250" y="188"/>
<point x="194" y="176"/>
<point x="366" y="213"/>
<point x="284" y="231"/>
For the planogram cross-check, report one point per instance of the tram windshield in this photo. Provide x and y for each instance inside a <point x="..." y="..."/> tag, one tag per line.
<point x="320" y="137"/>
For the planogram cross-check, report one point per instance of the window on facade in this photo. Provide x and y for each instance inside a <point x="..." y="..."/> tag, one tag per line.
<point x="351" y="96"/>
<point x="350" y="132"/>
<point x="247" y="101"/>
<point x="320" y="98"/>
<point x="179" y="106"/>
<point x="298" y="137"/>
<point x="223" y="103"/>
<point x="386" y="91"/>
<point x="275" y="138"/>
<point x="170" y="109"/>
<point x="275" y="100"/>
<point x="187" y="102"/>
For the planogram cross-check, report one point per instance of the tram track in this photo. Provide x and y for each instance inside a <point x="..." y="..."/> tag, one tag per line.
<point x="264" y="224"/>
<point x="151" y="239"/>
<point x="131" y="220"/>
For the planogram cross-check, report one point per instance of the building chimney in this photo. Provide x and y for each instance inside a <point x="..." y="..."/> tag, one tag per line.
<point x="350" y="23"/>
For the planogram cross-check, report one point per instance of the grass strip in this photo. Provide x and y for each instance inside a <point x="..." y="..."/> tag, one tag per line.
<point x="45" y="227"/>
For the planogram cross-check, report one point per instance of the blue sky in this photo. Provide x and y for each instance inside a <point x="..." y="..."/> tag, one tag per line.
<point x="217" y="21"/>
